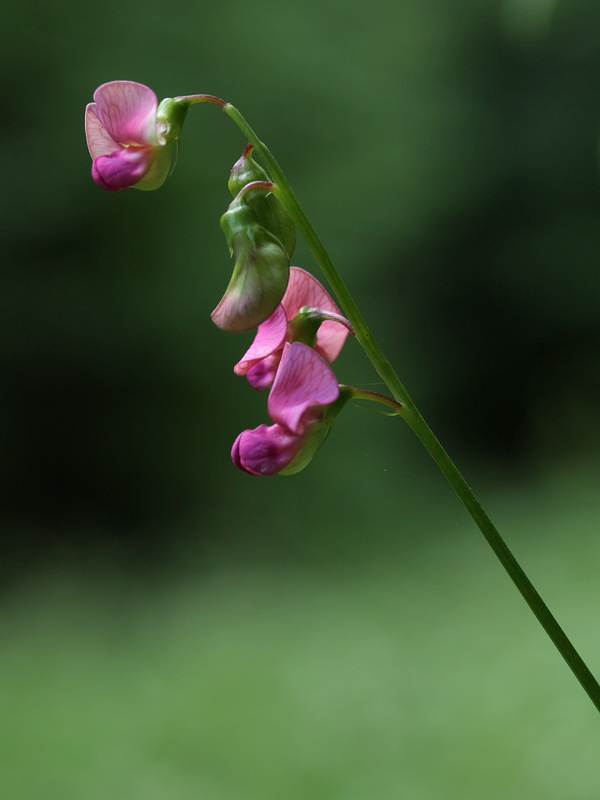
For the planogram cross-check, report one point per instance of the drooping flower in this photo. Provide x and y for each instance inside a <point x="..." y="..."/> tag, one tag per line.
<point x="131" y="138"/>
<point x="322" y="327"/>
<point x="303" y="403"/>
<point x="261" y="237"/>
<point x="261" y="269"/>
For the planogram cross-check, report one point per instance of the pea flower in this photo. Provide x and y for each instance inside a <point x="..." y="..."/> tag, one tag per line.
<point x="319" y="325"/>
<point x="303" y="403"/>
<point x="131" y="138"/>
<point x="261" y="268"/>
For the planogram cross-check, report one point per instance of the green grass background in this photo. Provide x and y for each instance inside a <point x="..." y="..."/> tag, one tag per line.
<point x="413" y="674"/>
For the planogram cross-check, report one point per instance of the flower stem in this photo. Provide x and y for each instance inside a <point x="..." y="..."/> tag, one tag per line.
<point x="411" y="414"/>
<point x="357" y="393"/>
<point x="191" y="99"/>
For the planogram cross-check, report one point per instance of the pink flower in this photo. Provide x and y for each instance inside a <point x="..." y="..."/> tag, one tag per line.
<point x="261" y="360"/>
<point x="129" y="136"/>
<point x="300" y="405"/>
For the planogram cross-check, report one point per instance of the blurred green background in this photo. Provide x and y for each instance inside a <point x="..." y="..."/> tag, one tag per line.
<point x="173" y="628"/>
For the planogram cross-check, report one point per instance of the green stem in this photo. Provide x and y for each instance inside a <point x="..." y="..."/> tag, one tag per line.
<point x="358" y="393"/>
<point x="411" y="414"/>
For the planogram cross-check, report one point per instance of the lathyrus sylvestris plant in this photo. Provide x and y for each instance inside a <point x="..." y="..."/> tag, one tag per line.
<point x="132" y="139"/>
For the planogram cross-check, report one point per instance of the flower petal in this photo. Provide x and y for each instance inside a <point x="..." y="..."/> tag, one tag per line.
<point x="127" y="110"/>
<point x="121" y="169"/>
<point x="262" y="374"/>
<point x="305" y="290"/>
<point x="270" y="337"/>
<point x="99" y="141"/>
<point x="304" y="380"/>
<point x="266" y="450"/>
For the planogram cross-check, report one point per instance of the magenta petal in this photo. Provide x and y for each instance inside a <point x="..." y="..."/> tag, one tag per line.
<point x="304" y="380"/>
<point x="270" y="337"/>
<point x="305" y="290"/>
<point x="121" y="169"/>
<point x="266" y="450"/>
<point x="99" y="141"/>
<point x="330" y="339"/>
<point x="262" y="374"/>
<point x="128" y="112"/>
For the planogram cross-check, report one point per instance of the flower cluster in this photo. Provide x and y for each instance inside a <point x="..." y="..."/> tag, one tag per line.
<point x="132" y="139"/>
<point x="290" y="353"/>
<point x="294" y="342"/>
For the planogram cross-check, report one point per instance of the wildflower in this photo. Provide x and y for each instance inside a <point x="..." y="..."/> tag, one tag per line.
<point x="303" y="403"/>
<point x="306" y="313"/>
<point x="261" y="269"/>
<point x="131" y="138"/>
<point x="261" y="236"/>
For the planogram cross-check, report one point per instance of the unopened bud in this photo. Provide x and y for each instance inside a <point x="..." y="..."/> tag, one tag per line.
<point x="269" y="211"/>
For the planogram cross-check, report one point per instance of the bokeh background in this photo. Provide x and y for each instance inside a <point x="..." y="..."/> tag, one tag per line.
<point x="172" y="628"/>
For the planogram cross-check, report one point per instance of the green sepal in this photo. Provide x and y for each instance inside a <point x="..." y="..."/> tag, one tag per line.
<point x="305" y="325"/>
<point x="318" y="434"/>
<point x="172" y="111"/>
<point x="311" y="444"/>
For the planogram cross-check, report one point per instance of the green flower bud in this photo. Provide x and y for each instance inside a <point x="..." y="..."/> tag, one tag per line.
<point x="260" y="274"/>
<point x="244" y="171"/>
<point x="269" y="211"/>
<point x="238" y="218"/>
